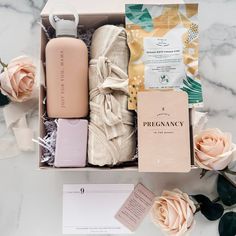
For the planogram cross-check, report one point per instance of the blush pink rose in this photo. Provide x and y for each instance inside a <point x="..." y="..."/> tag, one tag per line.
<point x="18" y="78"/>
<point x="174" y="212"/>
<point x="213" y="149"/>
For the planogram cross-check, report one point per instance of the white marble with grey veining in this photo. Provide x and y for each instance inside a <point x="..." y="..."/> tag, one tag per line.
<point x="31" y="200"/>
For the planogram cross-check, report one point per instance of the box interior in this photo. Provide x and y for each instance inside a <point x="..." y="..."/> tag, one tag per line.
<point x="86" y="21"/>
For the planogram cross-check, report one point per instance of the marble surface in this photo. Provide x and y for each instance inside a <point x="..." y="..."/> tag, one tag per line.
<point x="31" y="200"/>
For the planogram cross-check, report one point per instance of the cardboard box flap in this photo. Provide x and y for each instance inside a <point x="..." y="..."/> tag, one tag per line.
<point x="85" y="7"/>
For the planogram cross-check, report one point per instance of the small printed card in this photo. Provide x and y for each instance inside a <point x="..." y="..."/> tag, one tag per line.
<point x="90" y="208"/>
<point x="136" y="207"/>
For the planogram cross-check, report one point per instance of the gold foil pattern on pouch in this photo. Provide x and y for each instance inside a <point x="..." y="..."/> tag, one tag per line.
<point x="164" y="19"/>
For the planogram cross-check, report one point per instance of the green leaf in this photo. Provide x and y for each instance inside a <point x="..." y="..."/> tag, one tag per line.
<point x="212" y="211"/>
<point x="3" y="100"/>
<point x="226" y="191"/>
<point x="227" y="225"/>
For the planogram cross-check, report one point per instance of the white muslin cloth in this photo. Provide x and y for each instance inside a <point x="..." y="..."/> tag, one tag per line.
<point x="112" y="138"/>
<point x="15" y="115"/>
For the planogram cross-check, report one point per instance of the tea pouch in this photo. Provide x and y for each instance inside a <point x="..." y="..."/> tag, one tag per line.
<point x="163" y="42"/>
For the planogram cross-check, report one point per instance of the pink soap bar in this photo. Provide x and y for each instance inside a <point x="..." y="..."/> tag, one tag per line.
<point x="71" y="143"/>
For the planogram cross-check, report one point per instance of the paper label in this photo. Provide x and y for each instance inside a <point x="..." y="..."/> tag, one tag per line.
<point x="136" y="207"/>
<point x="90" y="208"/>
<point x="163" y="59"/>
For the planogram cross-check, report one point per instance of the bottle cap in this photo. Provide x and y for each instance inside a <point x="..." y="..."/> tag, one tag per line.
<point x="66" y="28"/>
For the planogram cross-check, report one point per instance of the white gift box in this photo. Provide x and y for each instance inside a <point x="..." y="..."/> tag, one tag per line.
<point x="92" y="14"/>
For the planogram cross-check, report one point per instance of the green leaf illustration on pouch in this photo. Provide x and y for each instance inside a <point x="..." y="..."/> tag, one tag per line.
<point x="139" y="16"/>
<point x="193" y="89"/>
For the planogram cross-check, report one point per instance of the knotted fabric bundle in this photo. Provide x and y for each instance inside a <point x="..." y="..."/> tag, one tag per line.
<point x="111" y="129"/>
